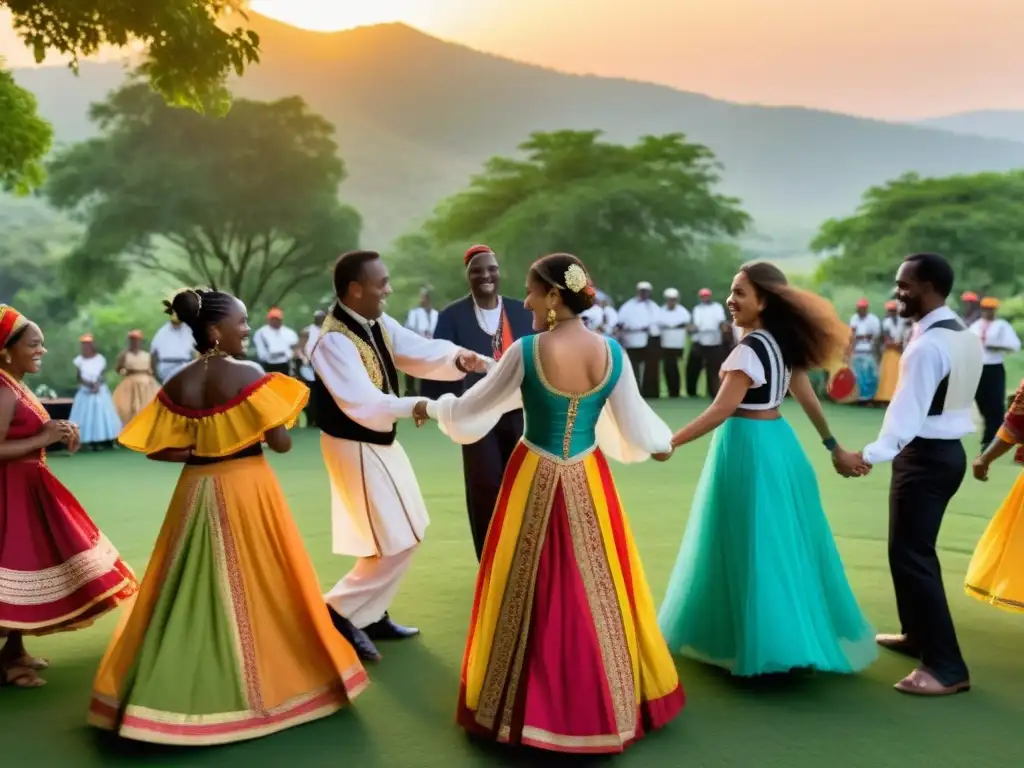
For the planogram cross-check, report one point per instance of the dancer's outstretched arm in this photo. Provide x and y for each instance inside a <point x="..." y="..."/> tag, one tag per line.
<point x="1010" y="435"/>
<point x="845" y="462"/>
<point x="628" y="430"/>
<point x="435" y="359"/>
<point x="468" y="418"/>
<point x="730" y="395"/>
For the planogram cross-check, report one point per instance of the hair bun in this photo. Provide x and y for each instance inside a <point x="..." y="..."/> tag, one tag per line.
<point x="186" y="305"/>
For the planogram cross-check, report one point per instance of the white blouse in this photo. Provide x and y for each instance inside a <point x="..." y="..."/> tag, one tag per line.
<point x="628" y="429"/>
<point x="90" y="369"/>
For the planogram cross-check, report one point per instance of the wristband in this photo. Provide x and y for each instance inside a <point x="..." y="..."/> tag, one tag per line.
<point x="830" y="443"/>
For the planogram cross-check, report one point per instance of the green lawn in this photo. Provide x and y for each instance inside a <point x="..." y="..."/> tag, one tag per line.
<point x="406" y="717"/>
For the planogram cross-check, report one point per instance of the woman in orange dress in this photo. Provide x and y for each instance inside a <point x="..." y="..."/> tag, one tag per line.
<point x="138" y="384"/>
<point x="57" y="571"/>
<point x="230" y="638"/>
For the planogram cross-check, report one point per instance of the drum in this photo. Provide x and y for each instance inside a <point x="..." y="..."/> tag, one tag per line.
<point x="842" y="385"/>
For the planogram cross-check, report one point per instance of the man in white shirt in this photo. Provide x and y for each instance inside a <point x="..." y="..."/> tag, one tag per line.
<point x="866" y="331"/>
<point x="998" y="339"/>
<point x="275" y="344"/>
<point x="637" y="324"/>
<point x="378" y="512"/>
<point x="970" y="307"/>
<point x="307" y="338"/>
<point x="594" y="317"/>
<point x="712" y="340"/>
<point x="173" y="347"/>
<point x="421" y="320"/>
<point x="930" y="413"/>
<point x="674" y="320"/>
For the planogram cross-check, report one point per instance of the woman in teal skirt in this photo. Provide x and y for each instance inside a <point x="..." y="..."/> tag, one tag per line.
<point x="758" y="586"/>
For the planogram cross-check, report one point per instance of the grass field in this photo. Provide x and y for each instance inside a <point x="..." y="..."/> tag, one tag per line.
<point x="406" y="716"/>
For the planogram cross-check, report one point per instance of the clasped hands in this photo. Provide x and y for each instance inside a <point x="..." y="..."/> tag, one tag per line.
<point x="62" y="431"/>
<point x="470" y="362"/>
<point x="849" y="464"/>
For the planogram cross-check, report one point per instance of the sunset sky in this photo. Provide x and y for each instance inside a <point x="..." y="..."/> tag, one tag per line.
<point x="897" y="59"/>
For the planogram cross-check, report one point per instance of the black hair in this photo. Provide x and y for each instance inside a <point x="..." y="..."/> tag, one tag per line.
<point x="199" y="308"/>
<point x="349" y="269"/>
<point x="550" y="271"/>
<point x="934" y="269"/>
<point x="805" y="326"/>
<point x="14" y="337"/>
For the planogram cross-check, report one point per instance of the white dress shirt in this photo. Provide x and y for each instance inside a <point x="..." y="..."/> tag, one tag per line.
<point x="275" y="345"/>
<point x="173" y="347"/>
<point x="639" y="320"/>
<point x="996" y="335"/>
<point x="869" y="326"/>
<point x="422" y="321"/>
<point x="923" y="365"/>
<point x="673" y="324"/>
<point x="709" y="319"/>
<point x="894" y="328"/>
<point x="593" y="318"/>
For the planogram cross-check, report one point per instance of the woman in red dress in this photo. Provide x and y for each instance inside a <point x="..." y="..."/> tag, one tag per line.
<point x="57" y="571"/>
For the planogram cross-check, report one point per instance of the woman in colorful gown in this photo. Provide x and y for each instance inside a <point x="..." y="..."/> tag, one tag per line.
<point x="138" y="384"/>
<point x="866" y="330"/>
<point x="996" y="572"/>
<point x="893" y="335"/>
<point x="758" y="586"/>
<point x="229" y="638"/>
<point x="57" y="571"/>
<point x="563" y="652"/>
<point x="93" y="408"/>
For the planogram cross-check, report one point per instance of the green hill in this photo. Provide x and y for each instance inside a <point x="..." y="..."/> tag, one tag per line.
<point x="416" y="116"/>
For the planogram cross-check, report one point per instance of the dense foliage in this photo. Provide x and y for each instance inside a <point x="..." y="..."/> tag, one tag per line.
<point x="646" y="211"/>
<point x="247" y="202"/>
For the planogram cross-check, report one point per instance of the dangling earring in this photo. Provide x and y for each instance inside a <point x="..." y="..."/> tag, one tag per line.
<point x="214" y="351"/>
<point x="7" y="357"/>
<point x="552" y="320"/>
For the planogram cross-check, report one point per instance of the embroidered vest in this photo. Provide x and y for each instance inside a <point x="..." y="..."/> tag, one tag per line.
<point x="377" y="356"/>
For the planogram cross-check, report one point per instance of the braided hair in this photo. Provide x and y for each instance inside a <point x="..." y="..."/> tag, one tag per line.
<point x="198" y="308"/>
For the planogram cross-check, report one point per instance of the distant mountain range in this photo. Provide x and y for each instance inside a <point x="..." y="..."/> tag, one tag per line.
<point x="417" y="116"/>
<point x="992" y="123"/>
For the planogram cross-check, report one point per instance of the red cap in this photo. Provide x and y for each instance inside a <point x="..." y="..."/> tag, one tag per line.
<point x="891" y="305"/>
<point x="275" y="314"/>
<point x="862" y="303"/>
<point x="474" y="251"/>
<point x="968" y="296"/>
<point x="135" y="334"/>
<point x="704" y="293"/>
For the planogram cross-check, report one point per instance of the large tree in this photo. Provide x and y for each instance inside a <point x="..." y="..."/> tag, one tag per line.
<point x="189" y="49"/>
<point x="975" y="221"/>
<point x="247" y="202"/>
<point x="649" y="210"/>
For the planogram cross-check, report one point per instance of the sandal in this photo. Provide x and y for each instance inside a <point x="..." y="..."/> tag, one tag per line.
<point x="21" y="677"/>
<point x="32" y="662"/>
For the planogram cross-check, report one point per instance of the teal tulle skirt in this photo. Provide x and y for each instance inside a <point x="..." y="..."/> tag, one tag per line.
<point x="758" y="586"/>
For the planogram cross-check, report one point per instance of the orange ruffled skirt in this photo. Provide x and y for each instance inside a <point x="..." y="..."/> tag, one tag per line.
<point x="996" y="572"/>
<point x="229" y="638"/>
<point x="564" y="651"/>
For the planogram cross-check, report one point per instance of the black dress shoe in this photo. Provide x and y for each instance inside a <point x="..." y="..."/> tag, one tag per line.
<point x="356" y="637"/>
<point x="386" y="629"/>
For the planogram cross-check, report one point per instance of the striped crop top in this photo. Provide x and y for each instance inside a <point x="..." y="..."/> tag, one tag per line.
<point x="758" y="355"/>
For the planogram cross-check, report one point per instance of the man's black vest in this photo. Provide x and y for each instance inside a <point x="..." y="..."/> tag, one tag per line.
<point x="375" y="352"/>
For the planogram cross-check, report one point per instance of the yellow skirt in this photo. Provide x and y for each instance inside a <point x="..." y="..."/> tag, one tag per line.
<point x="229" y="638"/>
<point x="133" y="394"/>
<point x="996" y="572"/>
<point x="888" y="375"/>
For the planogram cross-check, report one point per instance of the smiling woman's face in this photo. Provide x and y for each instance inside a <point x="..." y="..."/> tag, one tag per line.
<point x="27" y="352"/>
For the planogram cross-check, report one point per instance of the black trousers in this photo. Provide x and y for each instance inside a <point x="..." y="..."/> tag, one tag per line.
<point x="646" y="362"/>
<point x="702" y="357"/>
<point x="412" y="386"/>
<point x="670" y="359"/>
<point x="991" y="400"/>
<point x="285" y="368"/>
<point x="483" y="466"/>
<point x="925" y="476"/>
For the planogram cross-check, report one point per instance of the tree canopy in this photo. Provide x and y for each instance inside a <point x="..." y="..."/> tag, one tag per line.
<point x="189" y="53"/>
<point x="247" y="202"/>
<point x="651" y="206"/>
<point x="973" y="220"/>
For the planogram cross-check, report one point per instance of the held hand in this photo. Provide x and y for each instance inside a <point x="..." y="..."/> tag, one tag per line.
<point x="470" y="362"/>
<point x="980" y="468"/>
<point x="419" y="413"/>
<point x="662" y="456"/>
<point x="849" y="464"/>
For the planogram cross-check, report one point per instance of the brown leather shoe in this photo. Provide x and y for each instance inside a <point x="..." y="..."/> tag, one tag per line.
<point x="921" y="682"/>
<point x="898" y="644"/>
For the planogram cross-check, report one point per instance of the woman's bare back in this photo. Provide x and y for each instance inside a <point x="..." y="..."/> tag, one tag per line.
<point x="211" y="382"/>
<point x="574" y="360"/>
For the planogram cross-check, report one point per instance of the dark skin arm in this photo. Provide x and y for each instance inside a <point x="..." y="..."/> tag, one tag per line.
<point x="12" y="450"/>
<point x="730" y="395"/>
<point x="277" y="439"/>
<point x="996" y="450"/>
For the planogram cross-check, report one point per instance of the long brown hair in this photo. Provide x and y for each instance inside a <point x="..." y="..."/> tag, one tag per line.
<point x="806" y="326"/>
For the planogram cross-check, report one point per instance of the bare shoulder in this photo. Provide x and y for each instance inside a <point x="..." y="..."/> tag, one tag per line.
<point x="244" y="372"/>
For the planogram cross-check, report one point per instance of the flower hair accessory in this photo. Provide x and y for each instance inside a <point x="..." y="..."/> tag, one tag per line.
<point x="575" y="278"/>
